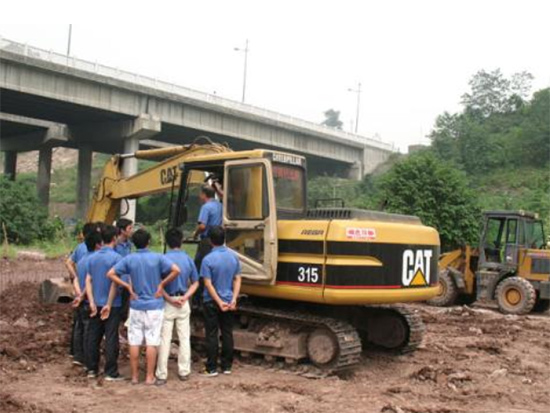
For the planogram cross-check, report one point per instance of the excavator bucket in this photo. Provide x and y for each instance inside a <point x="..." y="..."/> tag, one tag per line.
<point x="56" y="290"/>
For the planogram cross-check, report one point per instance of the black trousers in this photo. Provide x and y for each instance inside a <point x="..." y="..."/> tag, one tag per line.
<point x="80" y="332"/>
<point x="215" y="321"/>
<point x="97" y="328"/>
<point x="203" y="249"/>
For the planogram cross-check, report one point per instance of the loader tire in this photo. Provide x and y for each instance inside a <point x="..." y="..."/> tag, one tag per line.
<point x="541" y="306"/>
<point x="515" y="295"/>
<point x="448" y="291"/>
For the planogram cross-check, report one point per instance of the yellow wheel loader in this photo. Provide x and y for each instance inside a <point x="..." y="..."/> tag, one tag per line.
<point x="511" y="266"/>
<point x="317" y="283"/>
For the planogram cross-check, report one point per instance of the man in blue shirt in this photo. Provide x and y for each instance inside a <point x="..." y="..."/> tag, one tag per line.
<point x="124" y="245"/>
<point x="104" y="307"/>
<point x="210" y="215"/>
<point x="80" y="304"/>
<point x="146" y="285"/>
<point x="71" y="262"/>
<point x="221" y="271"/>
<point x="177" y="309"/>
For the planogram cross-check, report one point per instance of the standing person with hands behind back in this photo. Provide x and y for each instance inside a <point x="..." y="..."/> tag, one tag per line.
<point x="177" y="309"/>
<point x="105" y="308"/>
<point x="146" y="286"/>
<point x="221" y="271"/>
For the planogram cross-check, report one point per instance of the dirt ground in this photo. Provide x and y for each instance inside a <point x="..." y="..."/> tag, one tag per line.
<point x="472" y="360"/>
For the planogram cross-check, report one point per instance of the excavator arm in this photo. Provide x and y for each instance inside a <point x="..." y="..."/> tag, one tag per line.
<point x="113" y="187"/>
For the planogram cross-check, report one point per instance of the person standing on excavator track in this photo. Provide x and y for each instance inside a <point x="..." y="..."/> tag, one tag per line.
<point x="210" y="216"/>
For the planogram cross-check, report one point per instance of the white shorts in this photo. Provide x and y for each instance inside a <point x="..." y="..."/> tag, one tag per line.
<point x="145" y="326"/>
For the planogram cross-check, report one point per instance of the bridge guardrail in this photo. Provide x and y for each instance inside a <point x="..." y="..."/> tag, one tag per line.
<point x="146" y="81"/>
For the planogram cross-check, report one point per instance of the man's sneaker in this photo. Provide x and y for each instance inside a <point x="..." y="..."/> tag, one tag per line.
<point x="207" y="373"/>
<point x="160" y="382"/>
<point x="91" y="374"/>
<point x="184" y="378"/>
<point x="77" y="363"/>
<point x="227" y="371"/>
<point x="118" y="377"/>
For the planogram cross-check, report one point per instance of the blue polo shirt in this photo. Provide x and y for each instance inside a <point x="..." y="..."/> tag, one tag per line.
<point x="210" y="215"/>
<point x="124" y="248"/>
<point x="188" y="272"/>
<point x="221" y="266"/>
<point x="98" y="266"/>
<point x="146" y="270"/>
<point x="82" y="270"/>
<point x="80" y="251"/>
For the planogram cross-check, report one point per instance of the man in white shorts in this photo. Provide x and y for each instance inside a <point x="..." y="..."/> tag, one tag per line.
<point x="146" y="270"/>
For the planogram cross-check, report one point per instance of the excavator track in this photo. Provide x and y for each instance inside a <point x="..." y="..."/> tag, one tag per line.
<point x="347" y="341"/>
<point x="289" y="338"/>
<point x="392" y="327"/>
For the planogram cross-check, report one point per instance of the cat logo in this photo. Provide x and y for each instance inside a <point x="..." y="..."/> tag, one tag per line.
<point x="416" y="267"/>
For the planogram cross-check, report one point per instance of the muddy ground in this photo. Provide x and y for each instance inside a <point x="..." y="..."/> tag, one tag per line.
<point x="472" y="360"/>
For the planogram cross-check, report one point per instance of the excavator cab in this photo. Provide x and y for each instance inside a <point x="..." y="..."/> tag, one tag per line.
<point x="249" y="210"/>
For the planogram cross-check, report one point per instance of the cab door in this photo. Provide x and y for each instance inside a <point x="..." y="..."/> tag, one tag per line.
<point x="250" y="217"/>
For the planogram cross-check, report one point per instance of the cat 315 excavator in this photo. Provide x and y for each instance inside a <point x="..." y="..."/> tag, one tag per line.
<point x="317" y="283"/>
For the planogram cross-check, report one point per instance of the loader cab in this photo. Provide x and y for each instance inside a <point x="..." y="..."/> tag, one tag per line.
<point x="258" y="188"/>
<point x="504" y="234"/>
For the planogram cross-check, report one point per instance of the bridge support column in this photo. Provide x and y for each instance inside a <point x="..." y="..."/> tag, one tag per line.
<point x="10" y="164"/>
<point x="355" y="171"/>
<point x="43" y="179"/>
<point x="129" y="168"/>
<point x="83" y="180"/>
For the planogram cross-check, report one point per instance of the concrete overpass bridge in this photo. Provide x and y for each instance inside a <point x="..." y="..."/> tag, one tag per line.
<point x="48" y="99"/>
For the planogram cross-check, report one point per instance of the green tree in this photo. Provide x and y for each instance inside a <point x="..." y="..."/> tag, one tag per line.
<point x="438" y="193"/>
<point x="26" y="220"/>
<point x="492" y="93"/>
<point x="332" y="119"/>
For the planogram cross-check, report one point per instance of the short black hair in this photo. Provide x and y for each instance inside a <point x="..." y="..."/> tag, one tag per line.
<point x="88" y="228"/>
<point x="108" y="234"/>
<point x="100" y="226"/>
<point x="123" y="223"/>
<point x="141" y="239"/>
<point x="174" y="237"/>
<point x="92" y="240"/>
<point x="217" y="235"/>
<point x="208" y="191"/>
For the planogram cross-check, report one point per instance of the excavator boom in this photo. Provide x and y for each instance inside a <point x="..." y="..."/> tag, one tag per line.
<point x="113" y="187"/>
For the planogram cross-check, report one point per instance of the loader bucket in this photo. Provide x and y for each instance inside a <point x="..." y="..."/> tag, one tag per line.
<point x="56" y="290"/>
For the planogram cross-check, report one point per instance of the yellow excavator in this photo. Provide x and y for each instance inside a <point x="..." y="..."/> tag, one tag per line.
<point x="318" y="284"/>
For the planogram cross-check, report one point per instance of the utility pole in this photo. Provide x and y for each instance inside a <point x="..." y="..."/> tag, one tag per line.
<point x="245" y="51"/>
<point x="358" y="92"/>
<point x="69" y="41"/>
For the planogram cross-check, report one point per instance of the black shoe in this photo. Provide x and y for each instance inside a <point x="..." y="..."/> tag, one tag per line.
<point x="160" y="382"/>
<point x="209" y="373"/>
<point x="184" y="378"/>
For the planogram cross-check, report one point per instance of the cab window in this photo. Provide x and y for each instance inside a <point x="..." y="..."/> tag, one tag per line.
<point x="247" y="195"/>
<point x="289" y="187"/>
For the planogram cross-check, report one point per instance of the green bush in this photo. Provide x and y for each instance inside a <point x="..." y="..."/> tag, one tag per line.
<point x="435" y="191"/>
<point x="26" y="220"/>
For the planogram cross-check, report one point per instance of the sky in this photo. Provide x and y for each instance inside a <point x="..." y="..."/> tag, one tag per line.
<point x="413" y="58"/>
